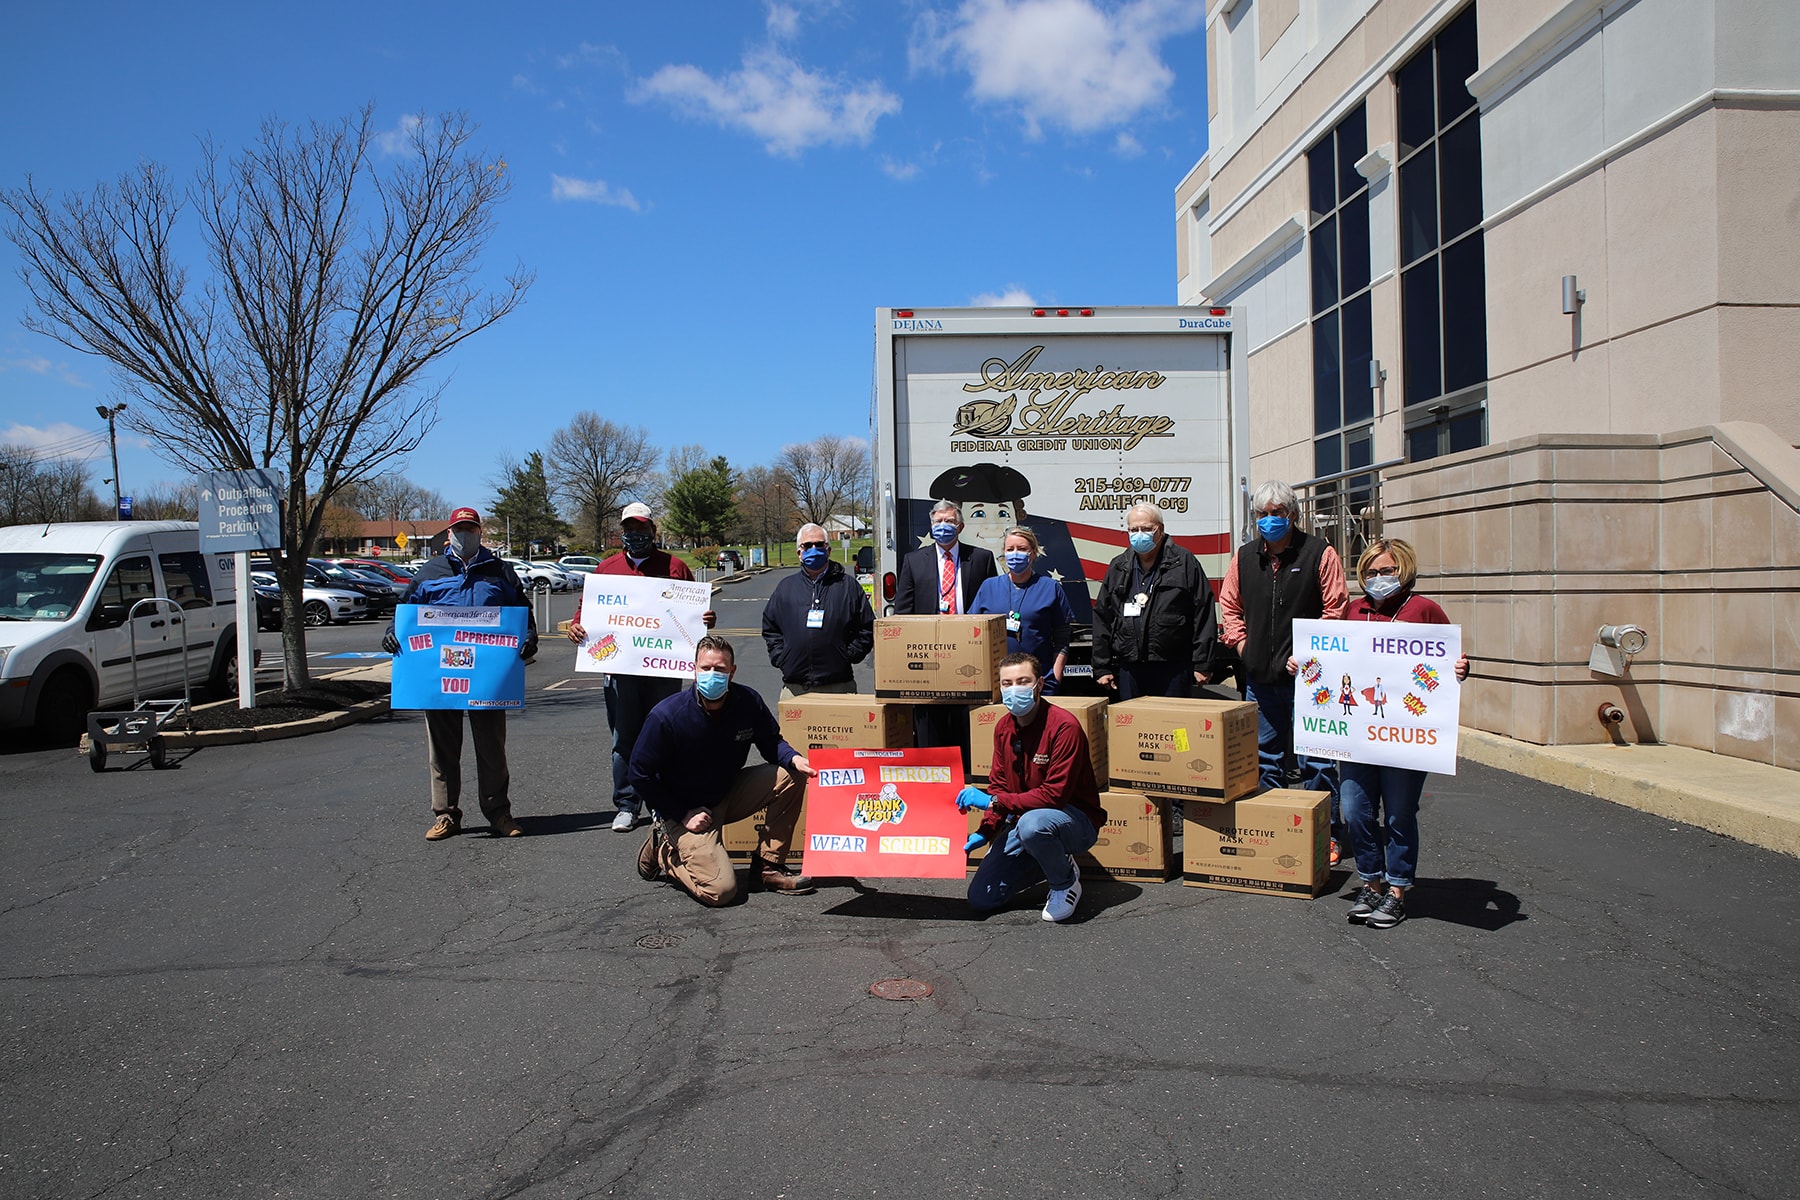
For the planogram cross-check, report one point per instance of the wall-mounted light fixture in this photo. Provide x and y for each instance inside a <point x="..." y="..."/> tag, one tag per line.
<point x="1377" y="374"/>
<point x="1614" y="648"/>
<point x="1573" y="297"/>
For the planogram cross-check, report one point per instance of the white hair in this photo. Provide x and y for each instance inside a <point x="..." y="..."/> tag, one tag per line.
<point x="947" y="506"/>
<point x="1281" y="495"/>
<point x="800" y="533"/>
<point x="1144" y="506"/>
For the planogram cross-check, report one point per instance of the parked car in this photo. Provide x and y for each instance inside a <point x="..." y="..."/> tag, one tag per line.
<point x="71" y="627"/>
<point x="268" y="606"/>
<point x="321" y="605"/>
<point x="561" y="580"/>
<point x="582" y="563"/>
<point x="730" y="560"/>
<point x="382" y="595"/>
<point x="539" y="578"/>
<point x="381" y="570"/>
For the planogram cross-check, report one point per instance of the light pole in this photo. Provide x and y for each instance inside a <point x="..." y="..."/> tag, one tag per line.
<point x="112" y="435"/>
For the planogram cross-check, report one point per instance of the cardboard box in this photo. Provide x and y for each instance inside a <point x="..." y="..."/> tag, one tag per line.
<point x="948" y="660"/>
<point x="1273" y="842"/>
<point x="1090" y="709"/>
<point x="741" y="837"/>
<point x="844" y="722"/>
<point x="1175" y="747"/>
<point x="1137" y="842"/>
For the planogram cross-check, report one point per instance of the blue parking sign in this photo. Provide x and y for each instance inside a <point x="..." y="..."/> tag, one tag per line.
<point x="459" y="658"/>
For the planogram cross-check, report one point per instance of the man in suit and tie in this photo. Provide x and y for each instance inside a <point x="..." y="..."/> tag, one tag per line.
<point x="940" y="579"/>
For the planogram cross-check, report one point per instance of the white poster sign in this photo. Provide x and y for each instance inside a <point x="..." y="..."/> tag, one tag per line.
<point x="641" y="626"/>
<point x="1382" y="693"/>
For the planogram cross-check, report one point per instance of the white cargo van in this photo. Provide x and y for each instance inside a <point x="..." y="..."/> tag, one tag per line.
<point x="65" y="640"/>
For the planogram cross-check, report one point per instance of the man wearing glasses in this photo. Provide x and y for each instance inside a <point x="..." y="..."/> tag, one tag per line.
<point x="818" y="623"/>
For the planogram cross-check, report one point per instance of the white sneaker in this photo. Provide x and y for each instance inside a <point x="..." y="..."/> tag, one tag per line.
<point x="1061" y="905"/>
<point x="624" y="821"/>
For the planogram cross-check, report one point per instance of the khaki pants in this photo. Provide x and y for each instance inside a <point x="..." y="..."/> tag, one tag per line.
<point x="699" y="861"/>
<point x="846" y="688"/>
<point x="444" y="742"/>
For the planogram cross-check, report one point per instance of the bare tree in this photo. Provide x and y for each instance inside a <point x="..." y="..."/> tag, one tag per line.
<point x="597" y="467"/>
<point x="34" y="490"/>
<point x="305" y="345"/>
<point x="168" y="502"/>
<point x="828" y="476"/>
<point x="766" y="507"/>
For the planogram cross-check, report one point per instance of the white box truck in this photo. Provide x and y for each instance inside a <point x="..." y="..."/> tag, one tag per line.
<point x="1061" y="419"/>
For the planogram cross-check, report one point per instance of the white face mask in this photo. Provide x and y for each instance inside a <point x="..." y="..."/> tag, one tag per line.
<point x="465" y="543"/>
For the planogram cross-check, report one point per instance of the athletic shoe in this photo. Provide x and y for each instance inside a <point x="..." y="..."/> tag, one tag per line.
<point x="445" y="826"/>
<point x="1368" y="899"/>
<point x="1061" y="904"/>
<point x="624" y="821"/>
<point x="1337" y="852"/>
<point x="1389" y="913"/>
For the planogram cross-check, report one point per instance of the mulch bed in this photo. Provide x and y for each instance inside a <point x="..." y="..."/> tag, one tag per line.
<point x="279" y="706"/>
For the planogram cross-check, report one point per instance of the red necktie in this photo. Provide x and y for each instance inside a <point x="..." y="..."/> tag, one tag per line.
<point x="947" y="590"/>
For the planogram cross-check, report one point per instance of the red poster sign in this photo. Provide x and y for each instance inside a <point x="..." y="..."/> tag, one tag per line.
<point x="885" y="814"/>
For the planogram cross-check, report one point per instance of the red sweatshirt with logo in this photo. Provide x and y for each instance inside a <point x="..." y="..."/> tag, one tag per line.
<point x="1043" y="765"/>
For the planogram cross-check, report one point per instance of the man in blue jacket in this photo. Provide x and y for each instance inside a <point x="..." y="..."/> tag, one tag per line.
<point x="468" y="575"/>
<point x="688" y="764"/>
<point x="817" y="624"/>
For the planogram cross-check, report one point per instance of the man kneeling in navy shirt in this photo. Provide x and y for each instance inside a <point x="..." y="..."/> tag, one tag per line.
<point x="688" y="764"/>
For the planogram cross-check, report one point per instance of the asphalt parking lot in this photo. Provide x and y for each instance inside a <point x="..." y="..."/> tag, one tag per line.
<point x="251" y="975"/>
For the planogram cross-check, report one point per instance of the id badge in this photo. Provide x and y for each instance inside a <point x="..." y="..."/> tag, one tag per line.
<point x="1132" y="609"/>
<point x="1012" y="622"/>
<point x="815" y="618"/>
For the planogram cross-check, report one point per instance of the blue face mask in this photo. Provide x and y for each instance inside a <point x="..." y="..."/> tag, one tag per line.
<point x="1273" y="528"/>
<point x="1381" y="588"/>
<point x="1142" y="543"/>
<point x="1017" y="560"/>
<point x="711" y="684"/>
<point x="1019" y="701"/>
<point x="943" y="533"/>
<point x="815" y="558"/>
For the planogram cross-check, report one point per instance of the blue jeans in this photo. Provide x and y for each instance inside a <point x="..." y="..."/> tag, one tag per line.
<point x="1038" y="846"/>
<point x="1275" y="741"/>
<point x="1368" y="792"/>
<point x="629" y="699"/>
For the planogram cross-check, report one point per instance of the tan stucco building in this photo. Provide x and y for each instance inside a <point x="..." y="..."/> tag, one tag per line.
<point x="1535" y="265"/>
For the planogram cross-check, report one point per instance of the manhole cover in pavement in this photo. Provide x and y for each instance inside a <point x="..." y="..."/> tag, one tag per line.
<point x="901" y="989"/>
<point x="658" y="941"/>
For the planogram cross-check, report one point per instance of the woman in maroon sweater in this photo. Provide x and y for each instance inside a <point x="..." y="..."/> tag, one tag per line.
<point x="1386" y="856"/>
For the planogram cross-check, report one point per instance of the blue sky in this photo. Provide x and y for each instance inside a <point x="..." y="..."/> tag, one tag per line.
<point x="715" y="196"/>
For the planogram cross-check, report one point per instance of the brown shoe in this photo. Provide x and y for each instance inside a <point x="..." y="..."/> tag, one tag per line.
<point x="505" y="826"/>
<point x="650" y="856"/>
<point x="445" y="826"/>
<point x="779" y="877"/>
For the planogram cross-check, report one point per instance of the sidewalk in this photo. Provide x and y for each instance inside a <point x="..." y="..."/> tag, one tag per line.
<point x="1751" y="802"/>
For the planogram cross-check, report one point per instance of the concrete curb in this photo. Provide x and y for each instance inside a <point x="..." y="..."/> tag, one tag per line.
<point x="184" y="739"/>
<point x="1751" y="802"/>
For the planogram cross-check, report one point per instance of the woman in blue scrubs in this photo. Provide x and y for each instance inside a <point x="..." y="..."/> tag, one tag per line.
<point x="1037" y="611"/>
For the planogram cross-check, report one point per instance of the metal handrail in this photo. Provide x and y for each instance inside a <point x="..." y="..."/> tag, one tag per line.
<point x="1330" y="513"/>
<point x="1371" y="469"/>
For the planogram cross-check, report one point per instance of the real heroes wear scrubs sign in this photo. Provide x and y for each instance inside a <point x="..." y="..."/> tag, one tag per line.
<point x="885" y="814"/>
<point x="639" y="625"/>
<point x="1378" y="692"/>
<point x="459" y="658"/>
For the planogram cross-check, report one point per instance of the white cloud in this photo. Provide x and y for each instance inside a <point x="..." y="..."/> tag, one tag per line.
<point x="57" y="440"/>
<point x="1126" y="146"/>
<point x="591" y="54"/>
<point x="37" y="364"/>
<point x="592" y="191"/>
<point x="1015" y="296"/>
<point x="1084" y="65"/>
<point x="397" y="139"/>
<point x="899" y="170"/>
<point x="783" y="21"/>
<point x="776" y="99"/>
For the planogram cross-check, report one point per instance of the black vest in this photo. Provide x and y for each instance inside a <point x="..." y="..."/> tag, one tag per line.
<point x="1272" y="603"/>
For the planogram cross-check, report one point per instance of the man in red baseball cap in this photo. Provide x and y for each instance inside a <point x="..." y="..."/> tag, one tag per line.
<point x="468" y="575"/>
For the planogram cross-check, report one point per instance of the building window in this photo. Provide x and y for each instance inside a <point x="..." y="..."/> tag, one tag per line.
<point x="1342" y="337"/>
<point x="1443" y="265"/>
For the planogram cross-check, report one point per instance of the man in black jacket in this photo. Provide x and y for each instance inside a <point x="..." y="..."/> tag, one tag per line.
<point x="1154" y="626"/>
<point x="939" y="579"/>
<point x="817" y="624"/>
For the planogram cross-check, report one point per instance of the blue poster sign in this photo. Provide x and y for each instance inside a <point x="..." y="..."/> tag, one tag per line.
<point x="240" y="510"/>
<point x="124" y="508"/>
<point x="459" y="658"/>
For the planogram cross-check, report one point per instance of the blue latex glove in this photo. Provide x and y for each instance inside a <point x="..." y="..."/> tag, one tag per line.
<point x="976" y="841"/>
<point x="972" y="797"/>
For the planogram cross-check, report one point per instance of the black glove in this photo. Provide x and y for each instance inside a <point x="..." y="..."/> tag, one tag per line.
<point x="389" y="642"/>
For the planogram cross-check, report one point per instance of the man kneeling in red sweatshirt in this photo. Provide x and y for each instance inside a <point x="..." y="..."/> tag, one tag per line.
<point x="1042" y="803"/>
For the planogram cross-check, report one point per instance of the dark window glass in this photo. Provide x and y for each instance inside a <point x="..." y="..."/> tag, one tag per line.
<point x="1352" y="144"/>
<point x="1418" y="205"/>
<point x="129" y="582"/>
<point x="1465" y="314"/>
<point x="1459" y="176"/>
<point x="1321" y="177"/>
<point x="1419" y="329"/>
<point x="1359" y="451"/>
<point x="1327" y="382"/>
<point x="1359" y="400"/>
<point x="1456" y="61"/>
<point x="1353" y="244"/>
<point x="1325" y="264"/>
<point x="1422" y="443"/>
<point x="1466" y="431"/>
<point x="1418" y="115"/>
<point x="1328" y="457"/>
<point x="184" y="575"/>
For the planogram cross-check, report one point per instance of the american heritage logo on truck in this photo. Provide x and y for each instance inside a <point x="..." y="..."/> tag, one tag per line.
<point x="1048" y="396"/>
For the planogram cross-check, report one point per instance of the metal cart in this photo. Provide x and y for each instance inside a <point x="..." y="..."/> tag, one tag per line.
<point x="139" y="731"/>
